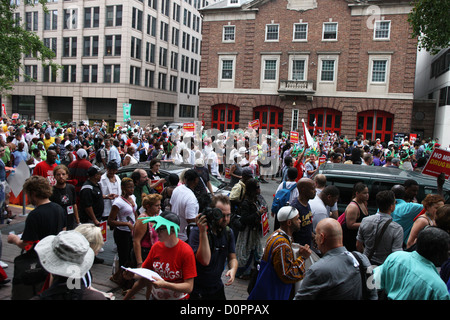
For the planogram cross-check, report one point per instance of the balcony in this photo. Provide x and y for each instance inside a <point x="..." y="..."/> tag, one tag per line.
<point x="297" y="88"/>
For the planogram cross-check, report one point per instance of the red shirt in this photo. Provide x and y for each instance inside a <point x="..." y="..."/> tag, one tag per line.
<point x="45" y="170"/>
<point x="173" y="265"/>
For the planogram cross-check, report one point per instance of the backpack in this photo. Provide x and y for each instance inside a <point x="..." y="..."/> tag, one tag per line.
<point x="365" y="275"/>
<point x="282" y="197"/>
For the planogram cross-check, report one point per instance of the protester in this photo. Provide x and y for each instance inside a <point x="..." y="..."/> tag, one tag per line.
<point x="321" y="204"/>
<point x="91" y="198"/>
<point x="353" y="215"/>
<point x="431" y="204"/>
<point x="172" y="259"/>
<point x="141" y="185"/>
<point x="336" y="276"/>
<point x="413" y="275"/>
<point x="213" y="244"/>
<point x="184" y="203"/>
<point x="78" y="169"/>
<point x="283" y="269"/>
<point x="306" y="191"/>
<point x="111" y="189"/>
<point x="64" y="194"/>
<point x="374" y="239"/>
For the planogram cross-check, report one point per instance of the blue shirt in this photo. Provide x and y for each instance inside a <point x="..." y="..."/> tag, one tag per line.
<point x="404" y="215"/>
<point x="409" y="276"/>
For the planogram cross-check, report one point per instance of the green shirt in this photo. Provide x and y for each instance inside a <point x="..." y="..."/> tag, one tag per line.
<point x="409" y="276"/>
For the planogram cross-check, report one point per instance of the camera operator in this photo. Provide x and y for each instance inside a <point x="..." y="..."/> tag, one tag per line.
<point x="213" y="244"/>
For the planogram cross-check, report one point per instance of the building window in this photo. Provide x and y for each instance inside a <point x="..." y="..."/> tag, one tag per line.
<point x="165" y="109"/>
<point x="113" y="16"/>
<point x="135" y="75"/>
<point x="51" y="43"/>
<point x="111" y="73"/>
<point x="379" y="70"/>
<point x="175" y="36"/>
<point x="113" y="45"/>
<point x="164" y="31"/>
<point x="70" y="47"/>
<point x="173" y="83"/>
<point x="186" y="111"/>
<point x="382" y="30"/>
<point x="70" y="19"/>
<point x="228" y="33"/>
<point x="270" y="69"/>
<point x="151" y="25"/>
<point x="330" y="31"/>
<point x="136" y="22"/>
<point x="174" y="60"/>
<point x="327" y="71"/>
<point x="90" y="73"/>
<point x="150" y="52"/>
<point x="162" y="80"/>
<point x="270" y="117"/>
<point x="90" y="46"/>
<point x="30" y="73"/>
<point x="272" y="32"/>
<point x="298" y="70"/>
<point x="162" y="57"/>
<point x="136" y="48"/>
<point x="49" y="74"/>
<point x="227" y="69"/>
<point x="165" y="7"/>
<point x="69" y="73"/>
<point x="176" y="12"/>
<point x="51" y="20"/>
<point x="325" y="120"/>
<point x="183" y="85"/>
<point x="300" y="32"/>
<point x="441" y="64"/>
<point x="149" y="78"/>
<point x="91" y="17"/>
<point x="31" y="21"/>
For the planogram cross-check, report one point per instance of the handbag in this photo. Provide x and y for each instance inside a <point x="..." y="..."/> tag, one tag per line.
<point x="29" y="276"/>
<point x="268" y="285"/>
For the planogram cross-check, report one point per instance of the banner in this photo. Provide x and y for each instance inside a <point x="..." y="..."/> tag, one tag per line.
<point x="438" y="162"/>
<point x="126" y="111"/>
<point x="309" y="141"/>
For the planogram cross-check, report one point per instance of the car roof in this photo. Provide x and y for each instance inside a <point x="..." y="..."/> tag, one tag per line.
<point x="379" y="173"/>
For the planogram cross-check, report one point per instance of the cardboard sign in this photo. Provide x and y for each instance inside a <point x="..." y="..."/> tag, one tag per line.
<point x="438" y="162"/>
<point x="265" y="223"/>
<point x="159" y="187"/>
<point x="294" y="137"/>
<point x="322" y="160"/>
<point x="254" y="124"/>
<point x="103" y="226"/>
<point x="190" y="127"/>
<point x="227" y="173"/>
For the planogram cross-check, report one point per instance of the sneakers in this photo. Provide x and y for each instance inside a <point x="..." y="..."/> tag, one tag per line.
<point x="3" y="265"/>
<point x="6" y="281"/>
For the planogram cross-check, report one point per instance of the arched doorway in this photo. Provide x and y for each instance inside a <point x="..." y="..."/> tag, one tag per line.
<point x="225" y="116"/>
<point x="270" y="117"/>
<point x="326" y="120"/>
<point x="375" y="124"/>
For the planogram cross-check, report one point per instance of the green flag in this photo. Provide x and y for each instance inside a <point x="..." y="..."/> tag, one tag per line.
<point x="126" y="111"/>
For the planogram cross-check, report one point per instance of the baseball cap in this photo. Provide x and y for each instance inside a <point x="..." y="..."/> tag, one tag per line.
<point x="286" y="213"/>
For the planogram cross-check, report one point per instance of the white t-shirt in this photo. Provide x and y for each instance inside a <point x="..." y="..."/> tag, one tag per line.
<point x="289" y="184"/>
<point x="125" y="211"/>
<point x="319" y="211"/>
<point x="185" y="204"/>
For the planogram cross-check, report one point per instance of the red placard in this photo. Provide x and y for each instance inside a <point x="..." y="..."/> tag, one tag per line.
<point x="265" y="223"/>
<point x="438" y="162"/>
<point x="294" y="136"/>
<point x="159" y="187"/>
<point x="189" y="127"/>
<point x="254" y="124"/>
<point x="103" y="227"/>
<point x="322" y="160"/>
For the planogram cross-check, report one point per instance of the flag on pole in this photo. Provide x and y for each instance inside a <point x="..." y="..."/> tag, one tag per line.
<point x="309" y="141"/>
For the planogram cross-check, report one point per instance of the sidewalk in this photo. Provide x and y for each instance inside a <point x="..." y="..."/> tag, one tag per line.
<point x="100" y="272"/>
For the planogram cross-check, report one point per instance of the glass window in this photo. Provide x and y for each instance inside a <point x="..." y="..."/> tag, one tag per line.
<point x="379" y="71"/>
<point x="330" y="31"/>
<point x="327" y="70"/>
<point x="270" y="69"/>
<point x="272" y="32"/>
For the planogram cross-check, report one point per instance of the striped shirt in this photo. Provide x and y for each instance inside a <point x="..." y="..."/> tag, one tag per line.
<point x="288" y="269"/>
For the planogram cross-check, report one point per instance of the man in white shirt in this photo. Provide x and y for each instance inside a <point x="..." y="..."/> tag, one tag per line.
<point x="184" y="203"/>
<point x="320" y="205"/>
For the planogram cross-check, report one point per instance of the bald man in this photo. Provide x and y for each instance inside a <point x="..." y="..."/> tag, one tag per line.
<point x="306" y="191"/>
<point x="336" y="275"/>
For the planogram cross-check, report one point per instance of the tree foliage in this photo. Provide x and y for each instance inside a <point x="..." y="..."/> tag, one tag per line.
<point x="430" y="21"/>
<point x="15" y="42"/>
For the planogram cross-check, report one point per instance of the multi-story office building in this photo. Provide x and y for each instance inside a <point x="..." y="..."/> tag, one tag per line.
<point x="432" y="95"/>
<point x="347" y="66"/>
<point x="146" y="53"/>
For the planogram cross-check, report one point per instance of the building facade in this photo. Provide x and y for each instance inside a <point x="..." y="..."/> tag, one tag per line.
<point x="432" y="95"/>
<point x="342" y="66"/>
<point x="145" y="53"/>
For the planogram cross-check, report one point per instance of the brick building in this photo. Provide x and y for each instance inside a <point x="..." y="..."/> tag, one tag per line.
<point x="348" y="66"/>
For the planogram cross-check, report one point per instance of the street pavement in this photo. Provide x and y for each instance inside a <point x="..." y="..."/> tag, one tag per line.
<point x="102" y="272"/>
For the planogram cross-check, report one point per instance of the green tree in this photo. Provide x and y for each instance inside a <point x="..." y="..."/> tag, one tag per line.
<point x="16" y="41"/>
<point x="430" y="21"/>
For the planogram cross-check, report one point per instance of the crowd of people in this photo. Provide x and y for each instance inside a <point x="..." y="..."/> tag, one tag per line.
<point x="176" y="227"/>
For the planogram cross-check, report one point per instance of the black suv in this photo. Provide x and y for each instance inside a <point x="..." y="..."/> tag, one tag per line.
<point x="344" y="176"/>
